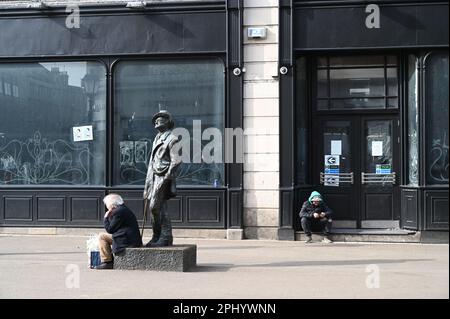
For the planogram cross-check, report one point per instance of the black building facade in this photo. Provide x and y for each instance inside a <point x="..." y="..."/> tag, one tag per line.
<point x="76" y="104"/>
<point x="363" y="110"/>
<point x="364" y="102"/>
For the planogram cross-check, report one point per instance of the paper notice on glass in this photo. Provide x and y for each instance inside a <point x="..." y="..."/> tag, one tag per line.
<point x="336" y="147"/>
<point x="82" y="133"/>
<point x="377" y="148"/>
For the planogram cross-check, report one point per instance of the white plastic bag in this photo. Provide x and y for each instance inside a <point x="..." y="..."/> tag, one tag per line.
<point x="92" y="244"/>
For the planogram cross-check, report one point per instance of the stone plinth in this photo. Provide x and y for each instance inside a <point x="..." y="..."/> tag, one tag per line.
<point x="172" y="258"/>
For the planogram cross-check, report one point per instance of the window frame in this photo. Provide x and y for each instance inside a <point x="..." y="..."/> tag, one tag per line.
<point x="108" y="62"/>
<point x="423" y="57"/>
<point x="406" y="119"/>
<point x="73" y="59"/>
<point x="328" y="68"/>
<point x="111" y="122"/>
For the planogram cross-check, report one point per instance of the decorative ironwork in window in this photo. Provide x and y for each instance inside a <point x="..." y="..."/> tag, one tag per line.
<point x="436" y="125"/>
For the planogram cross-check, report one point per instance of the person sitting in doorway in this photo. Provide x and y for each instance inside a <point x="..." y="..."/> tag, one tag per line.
<point x="122" y="230"/>
<point x="315" y="213"/>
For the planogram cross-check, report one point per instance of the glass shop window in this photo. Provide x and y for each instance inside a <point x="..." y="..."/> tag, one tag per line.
<point x="436" y="119"/>
<point x="191" y="90"/>
<point x="357" y="82"/>
<point x="413" y="121"/>
<point x="52" y="123"/>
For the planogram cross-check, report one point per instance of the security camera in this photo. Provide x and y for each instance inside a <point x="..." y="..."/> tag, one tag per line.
<point x="284" y="70"/>
<point x="237" y="71"/>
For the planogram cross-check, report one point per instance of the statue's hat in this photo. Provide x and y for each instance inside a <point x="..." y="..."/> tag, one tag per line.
<point x="166" y="114"/>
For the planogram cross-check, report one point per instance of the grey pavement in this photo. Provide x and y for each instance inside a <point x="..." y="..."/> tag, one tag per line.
<point x="57" y="267"/>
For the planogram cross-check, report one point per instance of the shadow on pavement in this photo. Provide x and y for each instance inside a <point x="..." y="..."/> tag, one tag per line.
<point x="227" y="247"/>
<point x="212" y="267"/>
<point x="334" y="244"/>
<point x="227" y="267"/>
<point x="301" y="244"/>
<point x="43" y="253"/>
<point x="336" y="262"/>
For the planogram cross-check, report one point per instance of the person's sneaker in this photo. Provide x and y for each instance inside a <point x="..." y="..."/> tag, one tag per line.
<point x="106" y="265"/>
<point x="308" y="240"/>
<point x="327" y="240"/>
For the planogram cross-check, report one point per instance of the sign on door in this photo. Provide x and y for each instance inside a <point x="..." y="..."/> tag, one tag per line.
<point x="331" y="160"/>
<point x="331" y="180"/>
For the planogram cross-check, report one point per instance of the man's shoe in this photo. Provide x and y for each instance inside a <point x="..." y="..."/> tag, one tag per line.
<point x="326" y="240"/>
<point x="308" y="240"/>
<point x="106" y="265"/>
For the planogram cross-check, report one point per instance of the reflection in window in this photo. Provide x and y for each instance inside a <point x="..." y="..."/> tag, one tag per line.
<point x="190" y="90"/>
<point x="336" y="141"/>
<point x="413" y="122"/>
<point x="351" y="83"/>
<point x="42" y="108"/>
<point x="15" y="91"/>
<point x="357" y="82"/>
<point x="378" y="146"/>
<point x="436" y="104"/>
<point x="7" y="88"/>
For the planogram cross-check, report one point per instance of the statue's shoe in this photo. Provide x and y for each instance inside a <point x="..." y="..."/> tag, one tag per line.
<point x="154" y="240"/>
<point x="161" y="243"/>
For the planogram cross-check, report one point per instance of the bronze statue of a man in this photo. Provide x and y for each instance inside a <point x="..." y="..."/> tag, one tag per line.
<point x="160" y="184"/>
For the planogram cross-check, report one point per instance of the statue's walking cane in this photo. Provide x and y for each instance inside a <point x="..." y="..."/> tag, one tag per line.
<point x="145" y="217"/>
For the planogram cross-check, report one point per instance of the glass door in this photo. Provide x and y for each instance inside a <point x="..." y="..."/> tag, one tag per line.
<point x="379" y="172"/>
<point x="356" y="166"/>
<point x="336" y="167"/>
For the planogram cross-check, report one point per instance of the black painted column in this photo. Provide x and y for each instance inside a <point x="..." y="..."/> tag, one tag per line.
<point x="287" y="125"/>
<point x="235" y="112"/>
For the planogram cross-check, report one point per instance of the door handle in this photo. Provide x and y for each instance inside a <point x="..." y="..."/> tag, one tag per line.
<point x="342" y="178"/>
<point x="373" y="178"/>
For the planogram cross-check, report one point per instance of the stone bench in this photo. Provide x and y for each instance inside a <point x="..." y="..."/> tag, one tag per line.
<point x="171" y="258"/>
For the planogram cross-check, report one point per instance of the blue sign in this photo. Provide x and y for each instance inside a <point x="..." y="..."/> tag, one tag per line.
<point x="332" y="169"/>
<point x="383" y="169"/>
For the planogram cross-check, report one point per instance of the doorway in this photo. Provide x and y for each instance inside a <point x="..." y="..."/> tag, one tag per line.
<point x="355" y="147"/>
<point x="356" y="163"/>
